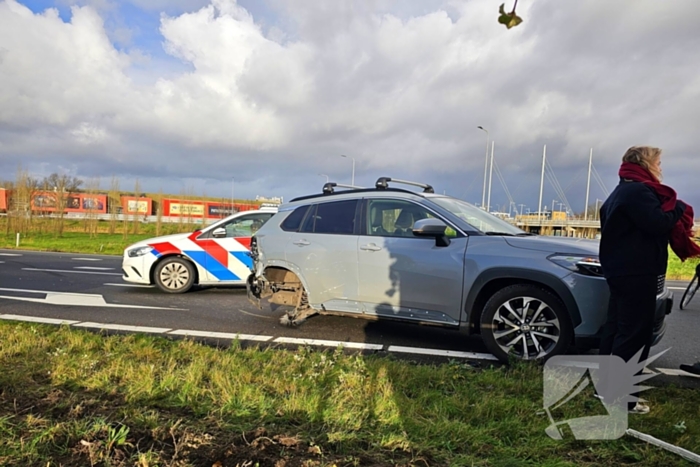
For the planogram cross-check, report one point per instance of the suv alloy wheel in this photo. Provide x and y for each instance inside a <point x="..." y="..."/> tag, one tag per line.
<point x="526" y="321"/>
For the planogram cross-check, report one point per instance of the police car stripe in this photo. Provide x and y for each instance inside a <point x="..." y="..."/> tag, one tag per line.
<point x="245" y="242"/>
<point x="215" y="250"/>
<point x="239" y="268"/>
<point x="229" y="263"/>
<point x="199" y="257"/>
<point x="243" y="257"/>
<point x="165" y="248"/>
<point x="211" y="265"/>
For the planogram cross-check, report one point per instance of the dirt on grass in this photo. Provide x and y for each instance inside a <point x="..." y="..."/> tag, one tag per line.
<point x="179" y="440"/>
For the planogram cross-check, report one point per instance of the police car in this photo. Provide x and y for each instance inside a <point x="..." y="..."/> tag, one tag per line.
<point x="215" y="255"/>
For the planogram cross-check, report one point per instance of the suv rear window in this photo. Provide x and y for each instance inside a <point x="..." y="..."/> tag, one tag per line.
<point x="332" y="218"/>
<point x="293" y="221"/>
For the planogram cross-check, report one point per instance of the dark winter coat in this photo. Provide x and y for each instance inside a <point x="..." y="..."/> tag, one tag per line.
<point x="635" y="231"/>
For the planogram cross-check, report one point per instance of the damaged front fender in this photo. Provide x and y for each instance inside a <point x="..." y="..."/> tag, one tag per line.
<point x="282" y="287"/>
<point x="254" y="290"/>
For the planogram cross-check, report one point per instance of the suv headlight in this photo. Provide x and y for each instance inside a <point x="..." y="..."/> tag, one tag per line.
<point x="139" y="251"/>
<point x="586" y="265"/>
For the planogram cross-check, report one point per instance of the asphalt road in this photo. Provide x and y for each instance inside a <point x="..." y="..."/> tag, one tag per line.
<point x="88" y="291"/>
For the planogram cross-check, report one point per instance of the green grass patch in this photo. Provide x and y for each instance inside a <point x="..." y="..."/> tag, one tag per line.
<point x="73" y="242"/>
<point x="74" y="239"/>
<point x="69" y="397"/>
<point x="678" y="270"/>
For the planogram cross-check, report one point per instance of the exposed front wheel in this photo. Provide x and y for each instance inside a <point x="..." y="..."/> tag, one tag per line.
<point x="527" y="322"/>
<point x="174" y="275"/>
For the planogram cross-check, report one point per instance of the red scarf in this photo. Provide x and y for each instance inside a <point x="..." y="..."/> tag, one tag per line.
<point x="681" y="243"/>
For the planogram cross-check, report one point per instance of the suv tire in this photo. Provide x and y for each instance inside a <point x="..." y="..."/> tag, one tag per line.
<point x="527" y="322"/>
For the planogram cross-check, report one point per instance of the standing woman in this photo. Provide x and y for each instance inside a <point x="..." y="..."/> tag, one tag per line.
<point x="638" y="221"/>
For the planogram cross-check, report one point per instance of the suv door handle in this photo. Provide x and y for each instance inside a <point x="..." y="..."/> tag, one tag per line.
<point x="301" y="243"/>
<point x="370" y="247"/>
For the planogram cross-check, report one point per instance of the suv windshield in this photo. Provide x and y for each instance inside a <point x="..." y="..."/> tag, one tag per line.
<point x="477" y="218"/>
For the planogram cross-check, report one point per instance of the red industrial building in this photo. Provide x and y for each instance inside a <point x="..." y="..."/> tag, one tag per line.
<point x="202" y="209"/>
<point x="47" y="201"/>
<point x="4" y="199"/>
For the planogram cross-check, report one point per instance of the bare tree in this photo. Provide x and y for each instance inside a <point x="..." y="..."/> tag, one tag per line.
<point x="159" y="212"/>
<point x="20" y="203"/>
<point x="59" y="187"/>
<point x="91" y="217"/>
<point x="113" y="204"/>
<point x="63" y="182"/>
<point x="137" y="194"/>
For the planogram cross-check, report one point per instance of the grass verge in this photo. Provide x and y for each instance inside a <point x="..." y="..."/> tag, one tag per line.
<point x="75" y="240"/>
<point x="74" y="398"/>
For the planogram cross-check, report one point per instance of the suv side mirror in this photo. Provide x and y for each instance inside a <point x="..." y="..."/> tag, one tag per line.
<point x="432" y="228"/>
<point x="219" y="233"/>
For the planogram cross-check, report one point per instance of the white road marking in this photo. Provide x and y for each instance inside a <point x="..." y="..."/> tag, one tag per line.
<point x="130" y="285"/>
<point x="442" y="353"/>
<point x="678" y="372"/>
<point x="37" y="319"/>
<point x="94" y="268"/>
<point x="220" y="335"/>
<point x="10" y="254"/>
<point x="74" y="299"/>
<point x="287" y="340"/>
<point x="74" y="272"/>
<point x="676" y="288"/>
<point x="122" y="327"/>
<point x="349" y="345"/>
<point x="86" y="259"/>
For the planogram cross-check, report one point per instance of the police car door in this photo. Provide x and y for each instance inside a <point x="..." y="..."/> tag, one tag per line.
<point x="228" y="248"/>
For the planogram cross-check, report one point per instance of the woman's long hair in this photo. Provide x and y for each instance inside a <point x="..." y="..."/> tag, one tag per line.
<point x="646" y="156"/>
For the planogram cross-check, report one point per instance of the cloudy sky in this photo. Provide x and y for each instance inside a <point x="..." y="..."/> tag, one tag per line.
<point x="259" y="97"/>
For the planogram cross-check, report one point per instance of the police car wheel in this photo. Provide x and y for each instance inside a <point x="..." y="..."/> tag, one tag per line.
<point x="174" y="275"/>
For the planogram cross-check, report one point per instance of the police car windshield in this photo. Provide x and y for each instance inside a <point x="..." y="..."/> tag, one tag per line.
<point x="477" y="218"/>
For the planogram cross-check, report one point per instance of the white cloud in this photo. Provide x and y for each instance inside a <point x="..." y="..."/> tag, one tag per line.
<point x="400" y="85"/>
<point x="87" y="133"/>
<point x="56" y="74"/>
<point x="162" y="5"/>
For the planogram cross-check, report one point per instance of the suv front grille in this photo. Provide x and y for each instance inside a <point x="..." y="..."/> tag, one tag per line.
<point x="660" y="284"/>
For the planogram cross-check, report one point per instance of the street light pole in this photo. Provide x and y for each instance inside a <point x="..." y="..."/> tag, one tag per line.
<point x="554" y="201"/>
<point x="486" y="165"/>
<point x="233" y="185"/>
<point x="353" y="169"/>
<point x="488" y="197"/>
<point x="324" y="175"/>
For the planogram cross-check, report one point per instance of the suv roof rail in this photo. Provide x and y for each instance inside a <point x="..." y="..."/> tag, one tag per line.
<point x="329" y="187"/>
<point x="383" y="184"/>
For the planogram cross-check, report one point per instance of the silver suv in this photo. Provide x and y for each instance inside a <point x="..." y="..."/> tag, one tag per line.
<point x="388" y="253"/>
